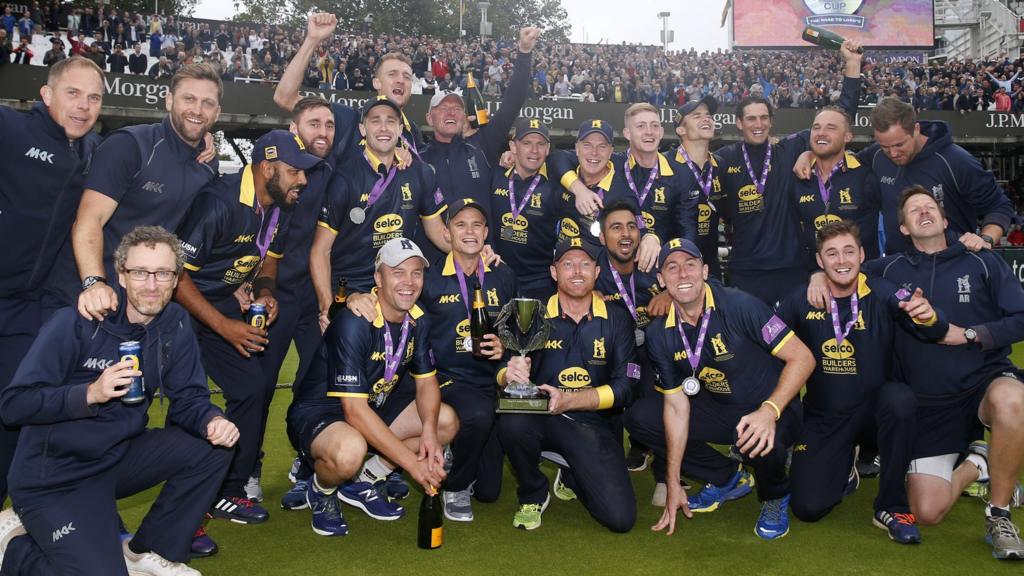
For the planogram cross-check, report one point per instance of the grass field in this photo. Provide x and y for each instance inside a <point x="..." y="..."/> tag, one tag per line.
<point x="570" y="542"/>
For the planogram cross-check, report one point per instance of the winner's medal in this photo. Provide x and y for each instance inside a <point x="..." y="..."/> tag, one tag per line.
<point x="467" y="344"/>
<point x="639" y="334"/>
<point x="357" y="215"/>
<point x="595" y="228"/>
<point x="691" y="386"/>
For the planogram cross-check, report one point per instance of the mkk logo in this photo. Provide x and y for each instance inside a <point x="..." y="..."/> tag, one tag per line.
<point x="63" y="531"/>
<point x="733" y="170"/>
<point x="151" y="186"/>
<point x="889" y="180"/>
<point x="805" y="198"/>
<point x="41" y="155"/>
<point x="449" y="298"/>
<point x="97" y="364"/>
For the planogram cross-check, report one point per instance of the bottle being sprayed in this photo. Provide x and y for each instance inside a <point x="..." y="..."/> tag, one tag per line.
<point x="825" y="38"/>
<point x="476" y="108"/>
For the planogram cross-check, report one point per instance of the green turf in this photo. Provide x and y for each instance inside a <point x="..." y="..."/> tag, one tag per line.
<point x="570" y="542"/>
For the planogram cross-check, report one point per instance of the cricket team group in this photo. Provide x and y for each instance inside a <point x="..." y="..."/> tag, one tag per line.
<point x="861" y="322"/>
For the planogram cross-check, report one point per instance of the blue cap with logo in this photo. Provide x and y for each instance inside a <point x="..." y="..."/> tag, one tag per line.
<point x="679" y="245"/>
<point x="567" y="245"/>
<point x="378" y="101"/>
<point x="284" y="146"/>
<point x="525" y="126"/>
<point x="601" y="127"/>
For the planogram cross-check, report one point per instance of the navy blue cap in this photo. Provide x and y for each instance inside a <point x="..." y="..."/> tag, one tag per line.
<point x="690" y="106"/>
<point x="284" y="146"/>
<point x="525" y="126"/>
<point x="679" y="245"/>
<point x="589" y="127"/>
<point x="461" y="204"/>
<point x="378" y="101"/>
<point x="566" y="245"/>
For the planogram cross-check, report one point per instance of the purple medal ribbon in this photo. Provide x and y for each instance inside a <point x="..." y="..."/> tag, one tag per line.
<point x="693" y="356"/>
<point x="263" y="243"/>
<point x="518" y="209"/>
<point x="705" y="185"/>
<point x="411" y="146"/>
<point x="640" y="197"/>
<point x="463" y="288"/>
<point x="826" y="187"/>
<point x="630" y="301"/>
<point x="381" y="185"/>
<point x="393" y="357"/>
<point x="759" y="184"/>
<point x="854" y="313"/>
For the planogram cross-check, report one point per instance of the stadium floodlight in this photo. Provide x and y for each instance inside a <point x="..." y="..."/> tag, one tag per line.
<point x="664" y="29"/>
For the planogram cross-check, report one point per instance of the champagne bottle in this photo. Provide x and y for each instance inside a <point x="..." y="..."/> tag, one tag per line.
<point x="825" y="38"/>
<point x="431" y="526"/>
<point x="476" y="108"/>
<point x="339" y="299"/>
<point x="479" y="322"/>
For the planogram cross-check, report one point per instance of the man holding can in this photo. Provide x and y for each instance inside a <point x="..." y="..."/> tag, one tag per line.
<point x="83" y="445"/>
<point x="231" y="244"/>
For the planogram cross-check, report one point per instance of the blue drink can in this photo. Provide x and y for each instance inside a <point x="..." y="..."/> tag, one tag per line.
<point x="137" y="389"/>
<point x="257" y="318"/>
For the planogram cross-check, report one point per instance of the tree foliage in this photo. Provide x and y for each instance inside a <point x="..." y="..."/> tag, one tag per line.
<point x="438" y="18"/>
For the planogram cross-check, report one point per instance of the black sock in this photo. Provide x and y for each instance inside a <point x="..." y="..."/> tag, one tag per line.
<point x="136" y="547"/>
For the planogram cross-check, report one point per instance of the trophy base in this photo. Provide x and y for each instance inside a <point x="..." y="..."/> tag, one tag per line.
<point x="510" y="405"/>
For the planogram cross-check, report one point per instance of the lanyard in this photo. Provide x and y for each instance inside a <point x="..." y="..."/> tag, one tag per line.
<point x="411" y="145"/>
<point x="826" y="187"/>
<point x="854" y="312"/>
<point x="393" y="357"/>
<point x="263" y="242"/>
<point x="759" y="184"/>
<point x="628" y="297"/>
<point x="463" y="288"/>
<point x="517" y="209"/>
<point x="381" y="185"/>
<point x="705" y="184"/>
<point x="693" y="356"/>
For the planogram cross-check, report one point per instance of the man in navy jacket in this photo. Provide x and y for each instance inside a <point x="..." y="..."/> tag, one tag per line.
<point x="966" y="384"/>
<point x="45" y="156"/>
<point x="82" y="448"/>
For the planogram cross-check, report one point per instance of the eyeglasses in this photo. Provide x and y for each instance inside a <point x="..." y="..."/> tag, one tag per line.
<point x="140" y="275"/>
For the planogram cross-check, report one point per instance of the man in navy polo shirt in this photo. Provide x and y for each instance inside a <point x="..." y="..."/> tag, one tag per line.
<point x="146" y="174"/>
<point x="231" y="242"/>
<point x="588" y="370"/>
<point x="715" y="354"/>
<point x="46" y="153"/>
<point x="368" y="202"/>
<point x="362" y="366"/>
<point x="467" y="381"/>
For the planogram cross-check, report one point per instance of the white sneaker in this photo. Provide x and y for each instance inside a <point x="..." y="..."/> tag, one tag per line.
<point x="153" y="564"/>
<point x="10" y="527"/>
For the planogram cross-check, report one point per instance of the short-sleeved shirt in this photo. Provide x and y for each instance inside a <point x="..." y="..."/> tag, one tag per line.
<point x="411" y="195"/>
<point x="737" y="364"/>
<point x="449" y="319"/>
<point x="355" y="354"/>
<point x="847" y="374"/>
<point x="644" y="283"/>
<point x="219" y="237"/>
<point x="599" y="353"/>
<point x="526" y="243"/>
<point x="293" y="272"/>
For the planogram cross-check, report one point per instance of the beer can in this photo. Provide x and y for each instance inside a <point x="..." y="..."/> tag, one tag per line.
<point x="257" y="318"/>
<point x="137" y="389"/>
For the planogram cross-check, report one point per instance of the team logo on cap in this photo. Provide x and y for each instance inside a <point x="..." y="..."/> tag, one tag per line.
<point x="675" y="243"/>
<point x="596" y="124"/>
<point x="270" y="152"/>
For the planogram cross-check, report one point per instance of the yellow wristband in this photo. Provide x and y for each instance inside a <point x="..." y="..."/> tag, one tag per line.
<point x="778" y="413"/>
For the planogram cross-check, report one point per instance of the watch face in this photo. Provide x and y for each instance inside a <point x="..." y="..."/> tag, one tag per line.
<point x="970" y="335"/>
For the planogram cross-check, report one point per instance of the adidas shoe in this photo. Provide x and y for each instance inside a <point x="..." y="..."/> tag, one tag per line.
<point x="202" y="544"/>
<point x="239" y="509"/>
<point x="902" y="528"/>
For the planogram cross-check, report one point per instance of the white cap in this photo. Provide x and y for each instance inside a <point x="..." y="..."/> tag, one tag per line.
<point x="398" y="250"/>
<point x="439" y="97"/>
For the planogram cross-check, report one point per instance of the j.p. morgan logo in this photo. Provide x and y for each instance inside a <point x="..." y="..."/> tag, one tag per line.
<point x="151" y="92"/>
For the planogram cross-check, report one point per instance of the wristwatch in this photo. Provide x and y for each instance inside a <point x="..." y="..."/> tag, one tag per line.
<point x="991" y="241"/>
<point x="971" y="336"/>
<point x="90" y="280"/>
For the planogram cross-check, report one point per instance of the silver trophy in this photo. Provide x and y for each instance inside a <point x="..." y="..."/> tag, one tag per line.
<point x="522" y="327"/>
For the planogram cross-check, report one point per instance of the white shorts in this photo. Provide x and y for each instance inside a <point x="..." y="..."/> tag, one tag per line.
<point x="941" y="466"/>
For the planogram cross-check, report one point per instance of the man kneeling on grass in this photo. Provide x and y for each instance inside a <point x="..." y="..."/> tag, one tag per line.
<point x="362" y="363"/>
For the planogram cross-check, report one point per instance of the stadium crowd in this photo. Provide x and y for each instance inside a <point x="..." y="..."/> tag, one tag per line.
<point x="588" y="72"/>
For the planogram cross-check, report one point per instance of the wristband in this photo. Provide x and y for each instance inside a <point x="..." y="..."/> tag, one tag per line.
<point x="778" y="413"/>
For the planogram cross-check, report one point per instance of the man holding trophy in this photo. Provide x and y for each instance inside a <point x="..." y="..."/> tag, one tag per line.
<point x="586" y="367"/>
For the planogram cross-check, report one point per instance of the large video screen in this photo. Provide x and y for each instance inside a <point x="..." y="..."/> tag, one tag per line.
<point x="876" y="23"/>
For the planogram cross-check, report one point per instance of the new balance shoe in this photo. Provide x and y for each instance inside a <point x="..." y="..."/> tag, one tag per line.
<point x="902" y="528"/>
<point x="1004" y="536"/>
<point x="528" y="516"/>
<point x="202" y="545"/>
<point x="294" y="471"/>
<point x="370" y="499"/>
<point x="711" y="497"/>
<point x="636" y="459"/>
<point x="560" y="488"/>
<point x="239" y="509"/>
<point x="458" y="506"/>
<point x="10" y="528"/>
<point x="773" y="522"/>
<point x="395" y="486"/>
<point x="295" y="497"/>
<point x="327" y="518"/>
<point x="153" y="564"/>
